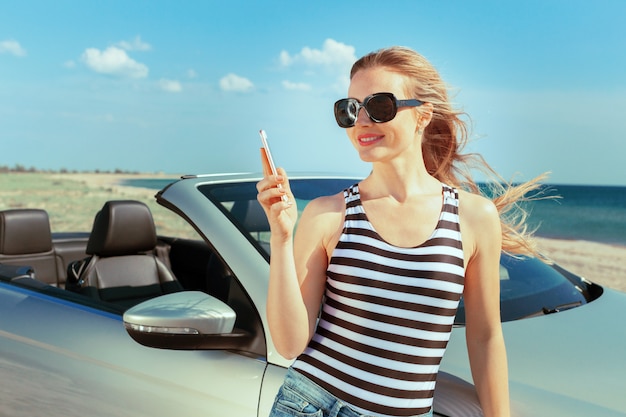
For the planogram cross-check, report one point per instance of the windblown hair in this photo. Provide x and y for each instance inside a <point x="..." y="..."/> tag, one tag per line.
<point x="446" y="136"/>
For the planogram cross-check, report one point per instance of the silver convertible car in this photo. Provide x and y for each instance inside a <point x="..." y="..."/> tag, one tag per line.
<point x="121" y="321"/>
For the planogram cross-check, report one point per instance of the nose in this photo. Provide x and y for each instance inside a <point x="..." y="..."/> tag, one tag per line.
<point x="362" y="118"/>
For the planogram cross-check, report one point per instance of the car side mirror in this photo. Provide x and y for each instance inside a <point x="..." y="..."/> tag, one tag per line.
<point x="187" y="320"/>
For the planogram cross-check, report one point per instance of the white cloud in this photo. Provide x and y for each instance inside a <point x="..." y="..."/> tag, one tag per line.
<point x="172" y="86"/>
<point x="333" y="55"/>
<point x="135" y="45"/>
<point x="288" y="85"/>
<point x="285" y="59"/>
<point x="69" y="64"/>
<point x="12" y="47"/>
<point x="114" y="61"/>
<point x="232" y="82"/>
<point x="333" y="60"/>
<point x="192" y="74"/>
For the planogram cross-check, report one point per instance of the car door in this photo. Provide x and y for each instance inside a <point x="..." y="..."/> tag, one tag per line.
<point x="61" y="358"/>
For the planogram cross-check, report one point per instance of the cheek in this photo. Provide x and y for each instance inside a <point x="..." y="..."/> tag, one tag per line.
<point x="351" y="136"/>
<point x="408" y="121"/>
<point x="415" y="116"/>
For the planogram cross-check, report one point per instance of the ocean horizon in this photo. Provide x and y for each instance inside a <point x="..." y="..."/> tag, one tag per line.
<point x="581" y="212"/>
<point x="594" y="213"/>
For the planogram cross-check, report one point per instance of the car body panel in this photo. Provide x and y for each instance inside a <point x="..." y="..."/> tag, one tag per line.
<point x="570" y="347"/>
<point x="107" y="373"/>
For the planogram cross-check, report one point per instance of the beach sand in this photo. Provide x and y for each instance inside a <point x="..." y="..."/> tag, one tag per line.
<point x="600" y="263"/>
<point x="73" y="199"/>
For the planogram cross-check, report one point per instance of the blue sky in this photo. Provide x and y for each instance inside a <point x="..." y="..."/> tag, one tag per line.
<point x="184" y="86"/>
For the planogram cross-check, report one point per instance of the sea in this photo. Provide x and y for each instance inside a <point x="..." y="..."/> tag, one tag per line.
<point x="581" y="212"/>
<point x="571" y="212"/>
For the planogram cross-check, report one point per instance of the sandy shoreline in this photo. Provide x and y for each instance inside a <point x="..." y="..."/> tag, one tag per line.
<point x="598" y="262"/>
<point x="73" y="199"/>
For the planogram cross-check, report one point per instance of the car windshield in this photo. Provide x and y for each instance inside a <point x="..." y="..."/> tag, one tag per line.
<point x="238" y="201"/>
<point x="528" y="286"/>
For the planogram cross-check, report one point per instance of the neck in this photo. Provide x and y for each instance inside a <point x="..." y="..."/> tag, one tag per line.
<point x="400" y="181"/>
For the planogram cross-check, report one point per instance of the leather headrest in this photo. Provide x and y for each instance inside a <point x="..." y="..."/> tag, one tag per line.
<point x="24" y="231"/>
<point x="123" y="227"/>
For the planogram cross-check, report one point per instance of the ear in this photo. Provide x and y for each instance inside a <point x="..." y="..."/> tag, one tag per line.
<point x="425" y="115"/>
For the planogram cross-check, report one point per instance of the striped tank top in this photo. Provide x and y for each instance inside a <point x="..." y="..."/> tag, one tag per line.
<point x="387" y="314"/>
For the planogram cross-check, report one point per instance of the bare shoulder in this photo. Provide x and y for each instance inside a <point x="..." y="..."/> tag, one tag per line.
<point x="480" y="223"/>
<point x="324" y="211"/>
<point x="476" y="209"/>
<point x="325" y="205"/>
<point x="323" y="217"/>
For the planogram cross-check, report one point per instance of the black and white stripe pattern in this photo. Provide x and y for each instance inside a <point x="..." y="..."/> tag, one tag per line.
<point x="387" y="314"/>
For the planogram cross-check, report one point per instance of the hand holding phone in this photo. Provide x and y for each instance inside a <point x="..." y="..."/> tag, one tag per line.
<point x="265" y="151"/>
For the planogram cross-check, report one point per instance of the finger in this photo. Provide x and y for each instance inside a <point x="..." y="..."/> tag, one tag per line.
<point x="267" y="183"/>
<point x="282" y="178"/>
<point x="264" y="200"/>
<point x="278" y="183"/>
<point x="279" y="207"/>
<point x="270" y="194"/>
<point x="262" y="185"/>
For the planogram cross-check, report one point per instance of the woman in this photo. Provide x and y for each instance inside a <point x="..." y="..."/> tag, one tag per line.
<point x="389" y="258"/>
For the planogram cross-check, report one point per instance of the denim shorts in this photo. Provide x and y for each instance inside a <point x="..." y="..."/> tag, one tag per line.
<point x="301" y="397"/>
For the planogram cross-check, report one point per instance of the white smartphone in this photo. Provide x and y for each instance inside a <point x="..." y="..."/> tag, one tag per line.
<point x="266" y="147"/>
<point x="268" y="153"/>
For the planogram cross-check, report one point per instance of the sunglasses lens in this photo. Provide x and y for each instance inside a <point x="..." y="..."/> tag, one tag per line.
<point x="381" y="107"/>
<point x="346" y="111"/>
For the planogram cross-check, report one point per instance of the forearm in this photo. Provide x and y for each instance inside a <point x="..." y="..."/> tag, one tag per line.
<point x="286" y="312"/>
<point x="489" y="370"/>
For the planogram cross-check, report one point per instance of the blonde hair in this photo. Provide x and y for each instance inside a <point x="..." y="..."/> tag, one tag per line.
<point x="446" y="136"/>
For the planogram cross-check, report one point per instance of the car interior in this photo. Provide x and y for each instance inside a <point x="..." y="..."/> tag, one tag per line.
<point x="121" y="263"/>
<point x="26" y="239"/>
<point x="122" y="266"/>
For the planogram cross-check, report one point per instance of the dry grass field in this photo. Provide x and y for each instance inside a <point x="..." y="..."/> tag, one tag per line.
<point x="72" y="200"/>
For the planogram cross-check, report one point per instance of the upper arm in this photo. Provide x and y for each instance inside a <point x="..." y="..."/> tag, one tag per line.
<point x="315" y="237"/>
<point x="481" y="225"/>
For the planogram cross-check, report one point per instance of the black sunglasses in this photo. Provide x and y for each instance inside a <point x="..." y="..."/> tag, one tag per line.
<point x="380" y="107"/>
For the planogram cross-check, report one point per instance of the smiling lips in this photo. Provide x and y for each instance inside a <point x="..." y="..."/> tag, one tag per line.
<point x="369" y="139"/>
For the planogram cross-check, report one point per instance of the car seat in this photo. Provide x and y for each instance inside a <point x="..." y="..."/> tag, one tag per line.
<point x="26" y="240"/>
<point x="122" y="267"/>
